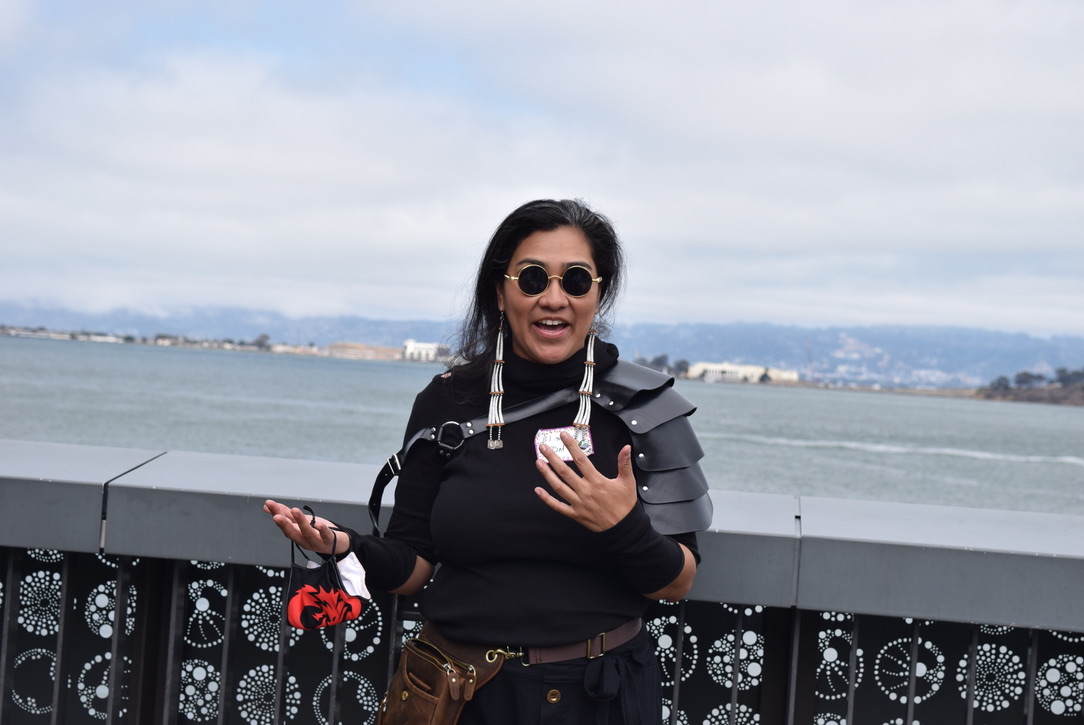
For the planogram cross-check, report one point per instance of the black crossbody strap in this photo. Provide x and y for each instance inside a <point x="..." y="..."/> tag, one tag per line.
<point x="450" y="437"/>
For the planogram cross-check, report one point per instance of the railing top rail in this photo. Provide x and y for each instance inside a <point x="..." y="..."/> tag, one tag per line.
<point x="944" y="563"/>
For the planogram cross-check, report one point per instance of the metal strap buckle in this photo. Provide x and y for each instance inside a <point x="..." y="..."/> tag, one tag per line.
<point x="450" y="442"/>
<point x="602" y="647"/>
<point x="508" y="654"/>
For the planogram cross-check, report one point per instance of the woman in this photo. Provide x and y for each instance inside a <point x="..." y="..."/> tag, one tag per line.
<point x="554" y="528"/>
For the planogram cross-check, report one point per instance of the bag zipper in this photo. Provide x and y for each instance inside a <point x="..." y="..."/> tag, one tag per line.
<point x="461" y="675"/>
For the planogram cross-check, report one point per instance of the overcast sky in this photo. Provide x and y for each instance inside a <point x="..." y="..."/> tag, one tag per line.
<point x="810" y="163"/>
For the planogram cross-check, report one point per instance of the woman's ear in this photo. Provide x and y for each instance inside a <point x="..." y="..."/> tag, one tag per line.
<point x="500" y="298"/>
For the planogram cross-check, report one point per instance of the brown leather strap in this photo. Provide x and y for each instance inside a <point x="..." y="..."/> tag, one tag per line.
<point x="597" y="646"/>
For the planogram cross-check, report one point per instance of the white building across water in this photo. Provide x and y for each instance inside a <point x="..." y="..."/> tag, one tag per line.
<point x="424" y="351"/>
<point x="731" y="373"/>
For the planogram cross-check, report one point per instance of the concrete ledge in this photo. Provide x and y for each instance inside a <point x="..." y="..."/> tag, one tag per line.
<point x="51" y="493"/>
<point x="750" y="554"/>
<point x="208" y="507"/>
<point x="943" y="563"/>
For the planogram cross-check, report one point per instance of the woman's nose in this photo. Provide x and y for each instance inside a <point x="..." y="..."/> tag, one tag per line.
<point x="554" y="295"/>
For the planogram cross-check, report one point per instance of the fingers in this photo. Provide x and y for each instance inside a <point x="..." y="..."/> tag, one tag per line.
<point x="578" y="456"/>
<point x="555" y="503"/>
<point x="288" y="528"/>
<point x="278" y="513"/>
<point x="317" y="536"/>
<point x="592" y="499"/>
<point x="557" y="473"/>
<point x="302" y="521"/>
<point x="295" y="526"/>
<point x="287" y="517"/>
<point x="560" y="467"/>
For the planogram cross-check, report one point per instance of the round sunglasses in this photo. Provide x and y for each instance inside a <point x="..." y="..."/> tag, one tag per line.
<point x="534" y="280"/>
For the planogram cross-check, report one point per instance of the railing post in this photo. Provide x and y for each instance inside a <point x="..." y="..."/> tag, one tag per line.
<point x="675" y="693"/>
<point x="170" y="659"/>
<point x="7" y="624"/>
<point x="62" y="653"/>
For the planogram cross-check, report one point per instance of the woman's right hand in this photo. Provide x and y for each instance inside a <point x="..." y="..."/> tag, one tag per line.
<point x="295" y="526"/>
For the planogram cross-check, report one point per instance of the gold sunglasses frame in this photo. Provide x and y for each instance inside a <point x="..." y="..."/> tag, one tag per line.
<point x="596" y="280"/>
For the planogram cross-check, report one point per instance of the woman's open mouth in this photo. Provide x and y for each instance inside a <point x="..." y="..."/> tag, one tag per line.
<point x="551" y="328"/>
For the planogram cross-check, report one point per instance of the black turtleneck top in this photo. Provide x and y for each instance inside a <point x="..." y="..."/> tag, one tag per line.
<point x="511" y="570"/>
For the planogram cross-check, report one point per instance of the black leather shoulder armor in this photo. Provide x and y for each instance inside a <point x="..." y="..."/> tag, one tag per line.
<point x="665" y="451"/>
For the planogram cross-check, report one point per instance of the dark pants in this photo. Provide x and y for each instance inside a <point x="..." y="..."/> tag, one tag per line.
<point x="620" y="688"/>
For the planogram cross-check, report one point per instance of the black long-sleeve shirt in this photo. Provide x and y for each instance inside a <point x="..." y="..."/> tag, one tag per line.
<point x="511" y="570"/>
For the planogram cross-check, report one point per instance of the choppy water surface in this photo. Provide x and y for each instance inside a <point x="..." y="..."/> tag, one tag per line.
<point x="800" y="441"/>
<point x="894" y="447"/>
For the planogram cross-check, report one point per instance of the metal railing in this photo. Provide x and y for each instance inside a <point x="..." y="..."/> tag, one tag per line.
<point x="147" y="587"/>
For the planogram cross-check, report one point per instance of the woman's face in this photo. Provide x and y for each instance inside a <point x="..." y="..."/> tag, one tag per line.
<point x="551" y="327"/>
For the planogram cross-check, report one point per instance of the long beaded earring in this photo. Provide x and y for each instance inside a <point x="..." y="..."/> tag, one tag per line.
<point x="582" y="423"/>
<point x="496" y="392"/>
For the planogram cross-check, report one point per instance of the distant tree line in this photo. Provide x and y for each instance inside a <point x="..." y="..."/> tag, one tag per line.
<point x="662" y="364"/>
<point x="1067" y="387"/>
<point x="1025" y="380"/>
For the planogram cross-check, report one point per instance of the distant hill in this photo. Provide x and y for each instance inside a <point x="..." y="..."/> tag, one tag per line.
<point x="881" y="354"/>
<point x="231" y="323"/>
<point x="887" y="355"/>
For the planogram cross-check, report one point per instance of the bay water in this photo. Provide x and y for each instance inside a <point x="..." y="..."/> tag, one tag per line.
<point x="885" y="446"/>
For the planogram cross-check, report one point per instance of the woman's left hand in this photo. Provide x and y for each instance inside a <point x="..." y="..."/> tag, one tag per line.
<point x="593" y="500"/>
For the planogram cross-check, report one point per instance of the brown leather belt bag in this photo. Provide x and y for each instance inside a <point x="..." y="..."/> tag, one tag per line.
<point x="435" y="679"/>
<point x="436" y="676"/>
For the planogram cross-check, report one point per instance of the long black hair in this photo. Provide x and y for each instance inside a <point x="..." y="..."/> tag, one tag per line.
<point x="478" y="335"/>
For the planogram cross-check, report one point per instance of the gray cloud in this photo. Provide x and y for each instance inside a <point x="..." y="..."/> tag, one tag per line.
<point x="831" y="164"/>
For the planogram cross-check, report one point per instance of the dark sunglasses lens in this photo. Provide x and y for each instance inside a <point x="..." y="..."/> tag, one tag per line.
<point x="577" y="281"/>
<point x="533" y="280"/>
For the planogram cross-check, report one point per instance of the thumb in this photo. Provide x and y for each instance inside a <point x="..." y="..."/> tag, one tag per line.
<point x="624" y="466"/>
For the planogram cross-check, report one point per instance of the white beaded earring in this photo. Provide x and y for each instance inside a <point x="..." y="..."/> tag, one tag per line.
<point x="582" y="423"/>
<point x="496" y="392"/>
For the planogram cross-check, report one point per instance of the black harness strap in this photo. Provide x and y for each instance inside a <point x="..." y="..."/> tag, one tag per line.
<point x="451" y="435"/>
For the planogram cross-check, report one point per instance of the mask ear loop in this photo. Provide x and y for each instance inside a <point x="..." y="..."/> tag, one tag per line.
<point x="496" y="392"/>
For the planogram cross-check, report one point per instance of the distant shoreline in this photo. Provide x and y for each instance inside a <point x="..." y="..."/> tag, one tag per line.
<point x="1051" y="395"/>
<point x="343" y="350"/>
<point x="1048" y="394"/>
<point x="933" y="392"/>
